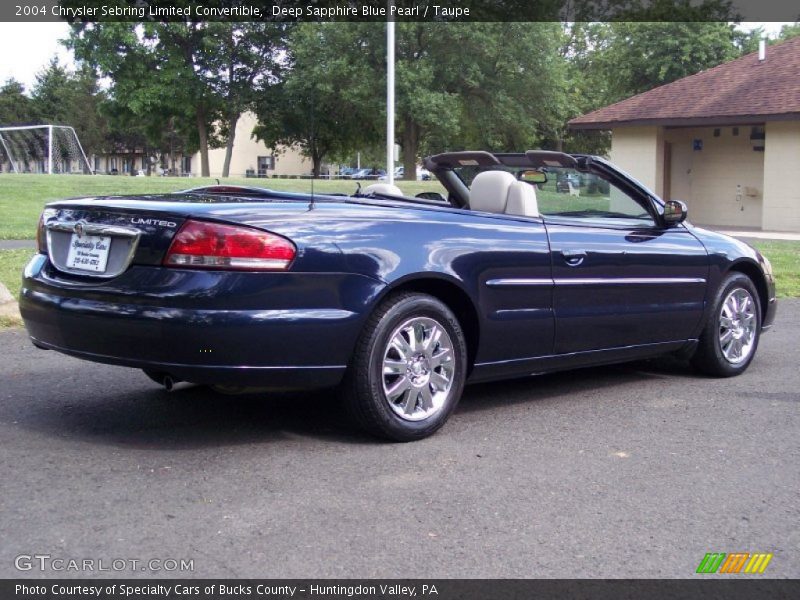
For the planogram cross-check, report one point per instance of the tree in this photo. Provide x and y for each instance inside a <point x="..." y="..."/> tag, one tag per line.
<point x="66" y="98"/>
<point x="608" y="62"/>
<point x="329" y="99"/>
<point x="512" y="89"/>
<point x="789" y="31"/>
<point x="636" y="57"/>
<point x="201" y="72"/>
<point x="152" y="70"/>
<point x="457" y="85"/>
<point x="15" y="106"/>
<point x="245" y="56"/>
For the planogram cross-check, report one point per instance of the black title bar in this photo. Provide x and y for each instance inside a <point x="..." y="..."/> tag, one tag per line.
<point x="740" y="588"/>
<point x="398" y="10"/>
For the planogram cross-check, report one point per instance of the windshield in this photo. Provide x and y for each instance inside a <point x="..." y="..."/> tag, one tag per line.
<point x="572" y="193"/>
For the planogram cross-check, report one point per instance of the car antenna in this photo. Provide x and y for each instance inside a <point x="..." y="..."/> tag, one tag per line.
<point x="217" y="180"/>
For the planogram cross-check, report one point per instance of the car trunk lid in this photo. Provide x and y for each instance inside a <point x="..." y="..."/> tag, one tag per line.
<point x="101" y="237"/>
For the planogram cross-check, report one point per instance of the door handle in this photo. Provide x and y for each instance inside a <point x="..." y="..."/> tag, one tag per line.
<point x="573" y="257"/>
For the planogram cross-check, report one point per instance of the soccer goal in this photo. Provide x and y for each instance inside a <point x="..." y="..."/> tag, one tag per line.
<point x="42" y="149"/>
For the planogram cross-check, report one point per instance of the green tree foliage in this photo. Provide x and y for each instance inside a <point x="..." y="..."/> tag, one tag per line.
<point x="61" y="97"/>
<point x="15" y="106"/>
<point x="145" y="94"/>
<point x="511" y="84"/>
<point x="181" y="73"/>
<point x="497" y="86"/>
<point x="789" y="31"/>
<point x="329" y="98"/>
<point x="489" y="85"/>
<point x="245" y="58"/>
<point x="635" y="57"/>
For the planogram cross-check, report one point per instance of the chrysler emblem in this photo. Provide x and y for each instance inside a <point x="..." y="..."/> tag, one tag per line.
<point x="78" y="228"/>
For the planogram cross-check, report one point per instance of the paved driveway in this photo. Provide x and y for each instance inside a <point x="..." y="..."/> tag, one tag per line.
<point x="636" y="470"/>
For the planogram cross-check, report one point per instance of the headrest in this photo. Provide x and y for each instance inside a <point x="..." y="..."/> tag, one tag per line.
<point x="522" y="200"/>
<point x="383" y="188"/>
<point x="489" y="191"/>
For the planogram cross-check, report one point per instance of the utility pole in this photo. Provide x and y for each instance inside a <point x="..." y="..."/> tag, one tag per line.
<point x="390" y="99"/>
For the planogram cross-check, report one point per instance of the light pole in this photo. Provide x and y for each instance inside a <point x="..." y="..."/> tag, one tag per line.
<point x="390" y="99"/>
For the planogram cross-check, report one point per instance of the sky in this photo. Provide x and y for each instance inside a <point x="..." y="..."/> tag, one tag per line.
<point x="32" y="45"/>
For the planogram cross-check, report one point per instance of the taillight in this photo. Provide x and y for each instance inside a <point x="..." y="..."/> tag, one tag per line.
<point x="41" y="236"/>
<point x="217" y="246"/>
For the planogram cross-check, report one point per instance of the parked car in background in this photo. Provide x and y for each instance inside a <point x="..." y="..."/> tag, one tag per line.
<point x="398" y="301"/>
<point x="565" y="180"/>
<point x="422" y="173"/>
<point x="368" y="173"/>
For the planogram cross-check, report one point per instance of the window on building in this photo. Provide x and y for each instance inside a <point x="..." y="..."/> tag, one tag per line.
<point x="265" y="163"/>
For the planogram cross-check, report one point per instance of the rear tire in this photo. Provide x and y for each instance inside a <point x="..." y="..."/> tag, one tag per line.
<point x="408" y="369"/>
<point x="730" y="338"/>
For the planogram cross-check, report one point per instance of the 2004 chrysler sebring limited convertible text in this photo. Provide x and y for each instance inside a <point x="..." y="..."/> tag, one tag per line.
<point x="535" y="262"/>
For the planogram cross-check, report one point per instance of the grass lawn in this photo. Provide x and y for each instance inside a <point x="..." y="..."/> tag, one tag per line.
<point x="785" y="259"/>
<point x="23" y="196"/>
<point x="11" y="264"/>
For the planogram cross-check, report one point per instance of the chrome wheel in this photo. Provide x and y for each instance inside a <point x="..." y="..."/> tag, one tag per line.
<point x="418" y="369"/>
<point x="737" y="326"/>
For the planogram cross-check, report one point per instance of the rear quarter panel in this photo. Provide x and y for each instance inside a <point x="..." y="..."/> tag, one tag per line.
<point x="402" y="246"/>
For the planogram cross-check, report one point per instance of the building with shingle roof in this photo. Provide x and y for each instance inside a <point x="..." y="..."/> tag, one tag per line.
<point x="725" y="140"/>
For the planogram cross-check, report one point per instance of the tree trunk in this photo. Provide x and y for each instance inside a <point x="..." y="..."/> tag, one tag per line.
<point x="232" y="121"/>
<point x="410" y="149"/>
<point x="202" y="133"/>
<point x="316" y="160"/>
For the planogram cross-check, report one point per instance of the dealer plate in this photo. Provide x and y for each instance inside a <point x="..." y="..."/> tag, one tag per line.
<point x="88" y="252"/>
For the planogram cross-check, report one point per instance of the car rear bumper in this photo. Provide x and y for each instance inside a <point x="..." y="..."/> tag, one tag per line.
<point x="286" y="377"/>
<point x="255" y="329"/>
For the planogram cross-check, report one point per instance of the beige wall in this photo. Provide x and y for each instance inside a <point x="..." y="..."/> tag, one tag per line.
<point x="640" y="152"/>
<point x="723" y="183"/>
<point x="246" y="151"/>
<point x="781" y="166"/>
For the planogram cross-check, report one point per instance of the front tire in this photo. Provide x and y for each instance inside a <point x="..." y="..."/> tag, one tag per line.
<point x="729" y="340"/>
<point x="408" y="370"/>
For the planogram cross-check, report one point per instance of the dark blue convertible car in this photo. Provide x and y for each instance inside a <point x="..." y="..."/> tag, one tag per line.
<point x="399" y="301"/>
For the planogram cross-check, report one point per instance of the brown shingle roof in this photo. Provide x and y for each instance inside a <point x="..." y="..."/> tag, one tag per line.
<point x="739" y="91"/>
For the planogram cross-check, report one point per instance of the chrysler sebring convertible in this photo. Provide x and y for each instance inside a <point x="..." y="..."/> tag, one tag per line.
<point x="397" y="301"/>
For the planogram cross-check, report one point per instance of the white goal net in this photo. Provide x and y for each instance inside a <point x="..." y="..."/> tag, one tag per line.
<point x="42" y="149"/>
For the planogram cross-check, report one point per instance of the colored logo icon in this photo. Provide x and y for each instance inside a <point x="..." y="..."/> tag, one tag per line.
<point x="737" y="562"/>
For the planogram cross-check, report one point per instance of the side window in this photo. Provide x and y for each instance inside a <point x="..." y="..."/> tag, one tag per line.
<point x="572" y="194"/>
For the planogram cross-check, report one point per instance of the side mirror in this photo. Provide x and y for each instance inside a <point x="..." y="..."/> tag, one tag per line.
<point x="436" y="196"/>
<point x="675" y="212"/>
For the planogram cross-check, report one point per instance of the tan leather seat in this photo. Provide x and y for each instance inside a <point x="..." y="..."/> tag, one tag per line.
<point x="500" y="192"/>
